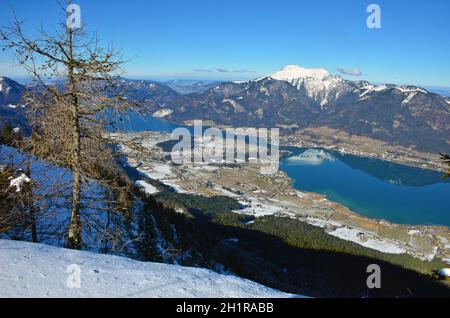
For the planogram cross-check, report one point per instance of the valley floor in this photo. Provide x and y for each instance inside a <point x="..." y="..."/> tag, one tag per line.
<point x="274" y="195"/>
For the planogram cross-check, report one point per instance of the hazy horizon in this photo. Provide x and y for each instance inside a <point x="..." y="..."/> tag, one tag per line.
<point x="246" y="40"/>
<point x="441" y="90"/>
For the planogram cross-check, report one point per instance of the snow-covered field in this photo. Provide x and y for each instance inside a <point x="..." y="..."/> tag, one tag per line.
<point x="369" y="241"/>
<point x="257" y="208"/>
<point x="146" y="187"/>
<point x="36" y="270"/>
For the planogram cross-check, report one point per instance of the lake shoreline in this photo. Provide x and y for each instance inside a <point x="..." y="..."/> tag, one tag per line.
<point x="324" y="137"/>
<point x="339" y="141"/>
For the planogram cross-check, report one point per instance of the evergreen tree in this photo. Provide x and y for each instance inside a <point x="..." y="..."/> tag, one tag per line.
<point x="7" y="134"/>
<point x="446" y="160"/>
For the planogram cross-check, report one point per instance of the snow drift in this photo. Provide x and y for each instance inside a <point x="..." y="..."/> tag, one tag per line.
<point x="36" y="270"/>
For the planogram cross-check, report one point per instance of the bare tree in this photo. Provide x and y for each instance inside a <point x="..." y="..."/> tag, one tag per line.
<point x="446" y="159"/>
<point x="70" y="119"/>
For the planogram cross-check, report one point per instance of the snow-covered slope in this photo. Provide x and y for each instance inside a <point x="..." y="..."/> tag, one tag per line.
<point x="10" y="92"/>
<point x="408" y="92"/>
<point x="36" y="270"/>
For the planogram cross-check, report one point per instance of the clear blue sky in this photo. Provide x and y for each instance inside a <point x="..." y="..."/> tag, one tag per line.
<point x="249" y="38"/>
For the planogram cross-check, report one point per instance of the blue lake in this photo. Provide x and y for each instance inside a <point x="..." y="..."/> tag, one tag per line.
<point x="370" y="187"/>
<point x="374" y="188"/>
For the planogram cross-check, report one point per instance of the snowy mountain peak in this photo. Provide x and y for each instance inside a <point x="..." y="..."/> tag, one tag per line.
<point x="317" y="83"/>
<point x="292" y="72"/>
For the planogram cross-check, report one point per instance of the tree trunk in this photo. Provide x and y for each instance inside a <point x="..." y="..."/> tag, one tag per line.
<point x="31" y="209"/>
<point x="74" y="240"/>
<point x="33" y="225"/>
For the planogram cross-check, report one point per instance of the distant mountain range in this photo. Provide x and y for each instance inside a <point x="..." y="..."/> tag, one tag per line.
<point x="182" y="87"/>
<point x="186" y="87"/>
<point x="443" y="91"/>
<point x="295" y="98"/>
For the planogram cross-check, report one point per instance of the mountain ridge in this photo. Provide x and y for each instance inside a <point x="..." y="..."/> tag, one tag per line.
<point x="406" y="115"/>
